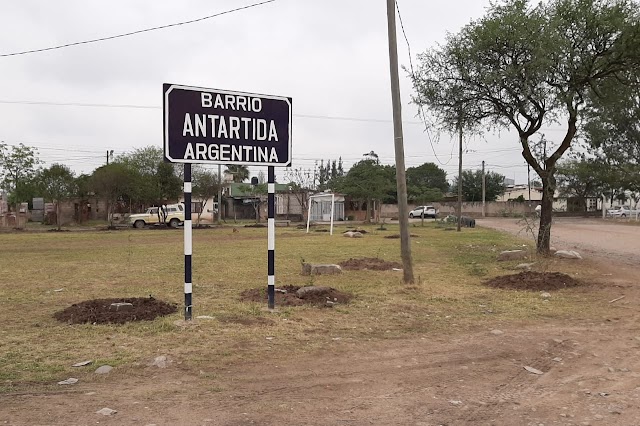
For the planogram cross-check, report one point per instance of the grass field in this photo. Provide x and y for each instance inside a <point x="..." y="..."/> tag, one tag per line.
<point x="37" y="351"/>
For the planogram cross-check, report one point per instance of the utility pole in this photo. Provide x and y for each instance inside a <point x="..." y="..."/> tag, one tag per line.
<point x="459" y="207"/>
<point x="401" y="180"/>
<point x="484" y="189"/>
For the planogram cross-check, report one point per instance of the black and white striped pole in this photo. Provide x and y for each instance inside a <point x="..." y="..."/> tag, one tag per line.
<point x="271" y="236"/>
<point x="188" y="244"/>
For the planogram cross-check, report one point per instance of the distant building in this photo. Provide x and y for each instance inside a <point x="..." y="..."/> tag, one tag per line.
<point x="513" y="192"/>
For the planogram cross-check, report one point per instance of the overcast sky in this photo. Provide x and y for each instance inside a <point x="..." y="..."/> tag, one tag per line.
<point x="330" y="56"/>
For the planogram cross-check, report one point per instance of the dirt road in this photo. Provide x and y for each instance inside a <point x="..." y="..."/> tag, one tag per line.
<point x="597" y="238"/>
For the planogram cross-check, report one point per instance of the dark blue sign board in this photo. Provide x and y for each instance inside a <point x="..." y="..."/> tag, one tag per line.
<point x="226" y="127"/>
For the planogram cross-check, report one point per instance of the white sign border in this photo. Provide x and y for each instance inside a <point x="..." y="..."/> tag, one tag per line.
<point x="224" y="92"/>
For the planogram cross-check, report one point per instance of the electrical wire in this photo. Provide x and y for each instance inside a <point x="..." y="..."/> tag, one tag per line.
<point x="134" y="106"/>
<point x="161" y="27"/>
<point x="421" y="113"/>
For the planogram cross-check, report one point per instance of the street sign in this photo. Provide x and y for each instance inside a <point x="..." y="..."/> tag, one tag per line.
<point x="226" y="127"/>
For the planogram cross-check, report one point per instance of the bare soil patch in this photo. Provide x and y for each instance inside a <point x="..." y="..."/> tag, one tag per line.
<point x="397" y="236"/>
<point x="97" y="311"/>
<point x="534" y="281"/>
<point x="290" y="298"/>
<point x="369" y="263"/>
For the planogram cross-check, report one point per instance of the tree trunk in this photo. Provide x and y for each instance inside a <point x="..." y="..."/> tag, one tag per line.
<point x="58" y="221"/>
<point x="546" y="214"/>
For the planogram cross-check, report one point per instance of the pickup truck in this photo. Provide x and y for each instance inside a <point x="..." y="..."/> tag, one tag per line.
<point x="174" y="216"/>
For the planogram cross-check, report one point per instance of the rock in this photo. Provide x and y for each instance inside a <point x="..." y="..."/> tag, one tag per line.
<point x="512" y="255"/>
<point x="557" y="359"/>
<point x="352" y="234"/>
<point x="611" y="370"/>
<point x="454" y="402"/>
<point x="69" y="381"/>
<point x="160" y="361"/>
<point x="328" y="269"/>
<point x="82" y="363"/>
<point x="106" y="411"/>
<point x="598" y="417"/>
<point x="524" y="266"/>
<point x="533" y="370"/>
<point x="497" y="332"/>
<point x="104" y="369"/>
<point x="552" y="249"/>
<point x="304" y="292"/>
<point x="545" y="295"/>
<point x="568" y="254"/>
<point x="121" y="306"/>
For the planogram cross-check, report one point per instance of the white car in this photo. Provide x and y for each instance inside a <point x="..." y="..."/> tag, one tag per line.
<point x="423" y="211"/>
<point x="622" y="211"/>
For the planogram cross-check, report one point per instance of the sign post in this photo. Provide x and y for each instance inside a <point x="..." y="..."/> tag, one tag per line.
<point x="211" y="126"/>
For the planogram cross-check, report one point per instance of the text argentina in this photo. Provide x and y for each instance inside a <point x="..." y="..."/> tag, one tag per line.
<point x="226" y="152"/>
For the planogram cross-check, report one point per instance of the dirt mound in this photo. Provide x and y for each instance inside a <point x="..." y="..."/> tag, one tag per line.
<point x="534" y="281"/>
<point x="327" y="297"/>
<point x="397" y="236"/>
<point x="369" y="263"/>
<point x="99" y="311"/>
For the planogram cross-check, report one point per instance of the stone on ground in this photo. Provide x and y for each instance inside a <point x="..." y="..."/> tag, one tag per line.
<point x="524" y="266"/>
<point x="106" y="411"/>
<point x="121" y="306"/>
<point x="352" y="234"/>
<point x="160" y="361"/>
<point x="568" y="254"/>
<point x="310" y="269"/>
<point x="104" y="369"/>
<point x="512" y="255"/>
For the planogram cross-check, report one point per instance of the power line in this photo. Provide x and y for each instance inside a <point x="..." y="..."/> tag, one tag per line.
<point x="421" y="113"/>
<point x="152" y="107"/>
<point x="95" y="40"/>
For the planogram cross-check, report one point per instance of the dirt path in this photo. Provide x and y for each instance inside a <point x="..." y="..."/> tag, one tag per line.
<point x="591" y="376"/>
<point x="597" y="238"/>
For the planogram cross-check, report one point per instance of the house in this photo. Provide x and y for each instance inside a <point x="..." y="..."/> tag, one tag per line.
<point x="520" y="192"/>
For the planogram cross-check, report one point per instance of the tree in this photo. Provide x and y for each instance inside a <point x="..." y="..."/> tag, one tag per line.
<point x="369" y="181"/>
<point x="612" y="124"/>
<point x="57" y="183"/>
<point x="329" y="174"/>
<point x="472" y="185"/>
<point x="205" y="186"/>
<point x="169" y="185"/>
<point x="523" y="67"/>
<point x="258" y="196"/>
<point x="83" y="192"/>
<point x="426" y="183"/>
<point x="18" y="167"/>
<point x="114" y="183"/>
<point x="239" y="173"/>
<point x="301" y="183"/>
<point x="153" y="181"/>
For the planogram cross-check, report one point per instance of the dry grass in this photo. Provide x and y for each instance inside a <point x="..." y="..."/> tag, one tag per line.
<point x="35" y="350"/>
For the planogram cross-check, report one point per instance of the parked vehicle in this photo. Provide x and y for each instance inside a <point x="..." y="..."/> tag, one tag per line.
<point x="623" y="211"/>
<point x="171" y="215"/>
<point x="423" y="211"/>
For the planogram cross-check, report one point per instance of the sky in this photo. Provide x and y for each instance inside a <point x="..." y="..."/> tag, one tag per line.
<point x="329" y="56"/>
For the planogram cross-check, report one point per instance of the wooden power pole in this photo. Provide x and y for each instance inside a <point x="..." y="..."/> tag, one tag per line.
<point x="459" y="207"/>
<point x="401" y="180"/>
<point x="484" y="189"/>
